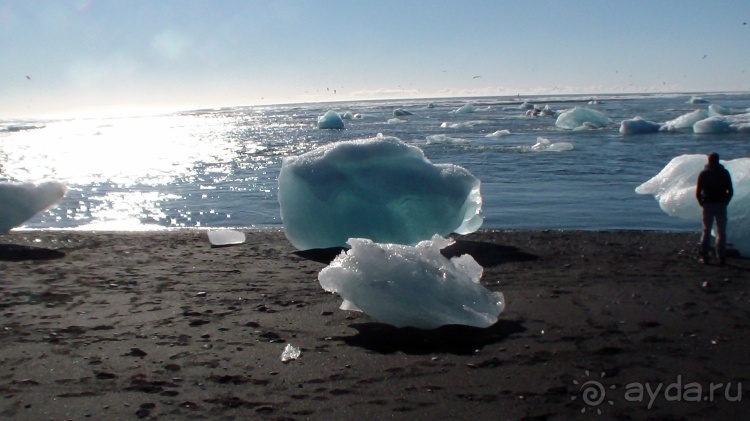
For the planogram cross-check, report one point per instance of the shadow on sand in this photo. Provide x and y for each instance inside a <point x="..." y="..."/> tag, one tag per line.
<point x="453" y="339"/>
<point x="486" y="254"/>
<point x="20" y="253"/>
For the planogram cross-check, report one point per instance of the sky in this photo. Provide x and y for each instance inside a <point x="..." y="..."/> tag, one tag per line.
<point x="63" y="57"/>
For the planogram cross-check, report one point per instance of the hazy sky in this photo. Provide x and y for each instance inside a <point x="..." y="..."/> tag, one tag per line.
<point x="61" y="56"/>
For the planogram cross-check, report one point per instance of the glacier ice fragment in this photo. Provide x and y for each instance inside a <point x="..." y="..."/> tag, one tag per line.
<point x="19" y="202"/>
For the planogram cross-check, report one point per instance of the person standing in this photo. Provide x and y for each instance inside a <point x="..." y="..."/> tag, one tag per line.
<point x="714" y="191"/>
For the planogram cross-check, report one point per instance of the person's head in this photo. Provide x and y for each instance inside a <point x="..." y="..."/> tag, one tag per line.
<point x="713" y="158"/>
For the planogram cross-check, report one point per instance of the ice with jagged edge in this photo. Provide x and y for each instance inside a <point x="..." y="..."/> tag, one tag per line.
<point x="378" y="188"/>
<point x="545" y="145"/>
<point x="20" y="202"/>
<point x="330" y="120"/>
<point x="412" y="285"/>
<point x="674" y="188"/>
<point x="580" y="118"/>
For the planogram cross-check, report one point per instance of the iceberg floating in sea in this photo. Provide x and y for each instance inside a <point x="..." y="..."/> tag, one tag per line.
<point x="545" y="145"/>
<point x="330" y="120"/>
<point x="466" y="109"/>
<point x="400" y="112"/>
<point x="412" y="285"/>
<point x="378" y="188"/>
<point x="686" y="121"/>
<point x="674" y="188"/>
<point x="19" y="202"/>
<point x="582" y="118"/>
<point x="638" y="125"/>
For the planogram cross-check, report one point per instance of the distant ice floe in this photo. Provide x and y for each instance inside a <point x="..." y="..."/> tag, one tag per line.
<point x="674" y="188"/>
<point x="412" y="285"/>
<point x="400" y="112"/>
<point x="330" y="120"/>
<point x="697" y="100"/>
<point x="378" y="188"/>
<point x="19" y="202"/>
<point x="466" y="109"/>
<point x="581" y="118"/>
<point x="545" y="145"/>
<point x="638" y="125"/>
<point x="499" y="133"/>
<point x="444" y="139"/>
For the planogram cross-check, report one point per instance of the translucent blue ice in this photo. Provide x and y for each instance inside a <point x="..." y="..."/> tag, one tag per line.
<point x="19" y="202"/>
<point x="674" y="188"/>
<point x="330" y="120"/>
<point x="581" y="117"/>
<point x="686" y="121"/>
<point x="378" y="188"/>
<point x="412" y="285"/>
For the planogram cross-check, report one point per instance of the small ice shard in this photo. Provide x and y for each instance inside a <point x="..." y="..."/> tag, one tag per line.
<point x="400" y="112"/>
<point x="674" y="188"/>
<point x="395" y="121"/>
<point x="697" y="100"/>
<point x="686" y="121"/>
<point x="638" y="125"/>
<point x="499" y="133"/>
<point x="330" y="120"/>
<point x="347" y="115"/>
<point x="544" y="144"/>
<point x="225" y="237"/>
<point x="290" y="352"/>
<point x="378" y="188"/>
<point x="412" y="285"/>
<point x="712" y="125"/>
<point x="466" y="109"/>
<point x="20" y="202"/>
<point x="580" y="117"/>
<point x="444" y="139"/>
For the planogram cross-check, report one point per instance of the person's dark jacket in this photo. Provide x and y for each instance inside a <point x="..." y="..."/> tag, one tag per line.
<point x="714" y="185"/>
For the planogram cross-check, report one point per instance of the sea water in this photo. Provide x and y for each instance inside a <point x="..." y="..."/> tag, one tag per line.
<point x="217" y="168"/>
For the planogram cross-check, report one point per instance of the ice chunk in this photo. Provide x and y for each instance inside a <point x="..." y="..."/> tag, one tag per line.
<point x="466" y="109"/>
<point x="378" y="188"/>
<point x="579" y="117"/>
<point x="444" y="139"/>
<point x="674" y="188"/>
<point x="686" y="121"/>
<point x="638" y="125"/>
<point x="412" y="285"/>
<point x="499" y="133"/>
<point x="290" y="352"/>
<point x="19" y="202"/>
<point x="400" y="112"/>
<point x="225" y="237"/>
<point x="713" y="125"/>
<point x="330" y="120"/>
<point x="544" y="144"/>
<point x="697" y="100"/>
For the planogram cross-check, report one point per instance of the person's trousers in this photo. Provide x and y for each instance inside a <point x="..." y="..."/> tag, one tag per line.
<point x="714" y="212"/>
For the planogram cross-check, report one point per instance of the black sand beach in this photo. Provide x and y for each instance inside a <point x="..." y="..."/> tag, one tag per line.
<point x="160" y="325"/>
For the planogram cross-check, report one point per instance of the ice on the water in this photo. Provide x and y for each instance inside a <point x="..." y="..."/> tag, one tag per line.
<point x="444" y="139"/>
<point x="19" y="202"/>
<point x="499" y="133"/>
<point x="697" y="100"/>
<point x="400" y="112"/>
<point x="466" y="109"/>
<point x="330" y="120"/>
<point x="674" y="188"/>
<point x="378" y="188"/>
<point x="545" y="145"/>
<point x="686" y="121"/>
<point x="638" y="125"/>
<point x="580" y="118"/>
<point x="412" y="285"/>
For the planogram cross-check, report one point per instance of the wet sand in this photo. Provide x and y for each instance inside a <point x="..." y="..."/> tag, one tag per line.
<point x="160" y="325"/>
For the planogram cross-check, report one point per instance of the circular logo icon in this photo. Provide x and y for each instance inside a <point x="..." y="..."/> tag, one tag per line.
<point x="593" y="393"/>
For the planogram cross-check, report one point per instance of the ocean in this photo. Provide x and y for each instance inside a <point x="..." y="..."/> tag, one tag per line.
<point x="215" y="168"/>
